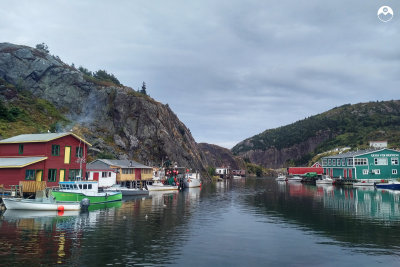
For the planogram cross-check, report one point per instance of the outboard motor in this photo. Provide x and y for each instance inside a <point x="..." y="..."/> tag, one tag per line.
<point x="85" y="203"/>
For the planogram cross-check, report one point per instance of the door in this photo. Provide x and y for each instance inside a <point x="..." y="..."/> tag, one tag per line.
<point x="62" y="175"/>
<point x="67" y="155"/>
<point x="350" y="174"/>
<point x="138" y="174"/>
<point x="39" y="175"/>
<point x="96" y="176"/>
<point x="344" y="173"/>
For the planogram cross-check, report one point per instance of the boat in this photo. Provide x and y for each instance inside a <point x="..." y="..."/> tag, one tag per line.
<point x="78" y="190"/>
<point x="326" y="179"/>
<point x="159" y="186"/>
<point x="363" y="183"/>
<point x="294" y="179"/>
<point x="281" y="178"/>
<point x="192" y="180"/>
<point x="237" y="177"/>
<point x="44" y="204"/>
<point x="394" y="185"/>
<point x="127" y="191"/>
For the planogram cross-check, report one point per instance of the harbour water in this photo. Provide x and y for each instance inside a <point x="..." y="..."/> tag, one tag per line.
<point x="245" y="222"/>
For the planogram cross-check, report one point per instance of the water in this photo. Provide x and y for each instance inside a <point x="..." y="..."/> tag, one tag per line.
<point x="247" y="222"/>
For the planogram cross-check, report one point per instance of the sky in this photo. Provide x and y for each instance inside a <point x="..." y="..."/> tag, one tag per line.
<point x="229" y="69"/>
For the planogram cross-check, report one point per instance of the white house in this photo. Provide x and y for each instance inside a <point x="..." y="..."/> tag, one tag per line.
<point x="100" y="171"/>
<point x="221" y="171"/>
<point x="378" y="144"/>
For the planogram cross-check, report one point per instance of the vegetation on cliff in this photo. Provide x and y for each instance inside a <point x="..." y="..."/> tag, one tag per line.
<point x="346" y="126"/>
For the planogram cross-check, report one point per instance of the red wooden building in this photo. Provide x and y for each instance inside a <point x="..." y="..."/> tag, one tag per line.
<point x="316" y="167"/>
<point x="50" y="157"/>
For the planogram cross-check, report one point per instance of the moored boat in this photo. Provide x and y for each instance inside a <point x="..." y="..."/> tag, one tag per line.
<point x="127" y="191"/>
<point x="281" y="178"/>
<point x="78" y="190"/>
<point x="40" y="204"/>
<point x="394" y="185"/>
<point x="363" y="183"/>
<point x="192" y="180"/>
<point x="159" y="186"/>
<point x="294" y="179"/>
<point x="326" y="179"/>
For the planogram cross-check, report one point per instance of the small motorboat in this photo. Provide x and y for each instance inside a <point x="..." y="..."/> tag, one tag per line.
<point x="294" y="179"/>
<point x="394" y="185"/>
<point x="326" y="179"/>
<point x="363" y="183"/>
<point x="40" y="204"/>
<point x="281" y="178"/>
<point x="192" y="180"/>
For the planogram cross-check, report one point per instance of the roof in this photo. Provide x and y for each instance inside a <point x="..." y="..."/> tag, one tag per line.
<point x="37" y="138"/>
<point x="356" y="153"/>
<point x="19" y="162"/>
<point x="98" y="165"/>
<point x="124" y="163"/>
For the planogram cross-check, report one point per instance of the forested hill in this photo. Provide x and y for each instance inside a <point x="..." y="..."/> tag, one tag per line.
<point x="345" y="126"/>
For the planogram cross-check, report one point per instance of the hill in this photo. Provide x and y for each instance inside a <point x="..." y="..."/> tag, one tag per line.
<point x="345" y="126"/>
<point x="39" y="92"/>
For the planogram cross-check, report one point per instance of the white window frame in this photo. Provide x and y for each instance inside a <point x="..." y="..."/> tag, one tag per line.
<point x="379" y="161"/>
<point x="394" y="171"/>
<point x="376" y="171"/>
<point x="343" y="162"/>
<point x="365" y="171"/>
<point x="396" y="160"/>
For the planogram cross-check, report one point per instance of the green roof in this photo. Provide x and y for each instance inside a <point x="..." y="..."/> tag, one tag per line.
<point x="19" y="162"/>
<point x="37" y="138"/>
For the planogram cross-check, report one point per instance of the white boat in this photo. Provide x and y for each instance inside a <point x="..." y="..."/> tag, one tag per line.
<point x="39" y="204"/>
<point x="159" y="186"/>
<point x="294" y="179"/>
<point x="236" y="177"/>
<point x="363" y="183"/>
<point x="192" y="180"/>
<point x="127" y="191"/>
<point x="326" y="179"/>
<point x="281" y="178"/>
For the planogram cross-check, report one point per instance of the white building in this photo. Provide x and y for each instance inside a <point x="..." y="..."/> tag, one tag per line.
<point x="378" y="144"/>
<point x="100" y="171"/>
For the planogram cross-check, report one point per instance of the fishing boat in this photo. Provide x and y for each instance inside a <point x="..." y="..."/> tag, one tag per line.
<point x="160" y="186"/>
<point x="78" y="190"/>
<point x="192" y="180"/>
<point x="45" y="204"/>
<point x="326" y="179"/>
<point x="394" y="185"/>
<point x="363" y="183"/>
<point x="127" y="191"/>
<point x="281" y="178"/>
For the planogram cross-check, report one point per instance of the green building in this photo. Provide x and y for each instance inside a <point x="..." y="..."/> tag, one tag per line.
<point x="364" y="165"/>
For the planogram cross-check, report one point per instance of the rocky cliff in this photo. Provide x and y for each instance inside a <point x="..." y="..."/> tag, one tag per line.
<point x="217" y="156"/>
<point x="117" y="120"/>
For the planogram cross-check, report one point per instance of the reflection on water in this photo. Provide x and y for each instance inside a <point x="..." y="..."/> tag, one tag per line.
<point x="254" y="222"/>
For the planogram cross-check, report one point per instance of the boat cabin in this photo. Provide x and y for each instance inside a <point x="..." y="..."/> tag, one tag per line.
<point x="79" y="186"/>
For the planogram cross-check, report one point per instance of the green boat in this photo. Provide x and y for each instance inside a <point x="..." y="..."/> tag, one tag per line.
<point x="78" y="190"/>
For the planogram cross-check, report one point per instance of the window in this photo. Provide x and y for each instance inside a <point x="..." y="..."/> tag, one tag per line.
<point x="365" y="171"/>
<point x="338" y="162"/>
<point x="103" y="174"/>
<point x="127" y="171"/>
<point x="324" y="162"/>
<point x="30" y="175"/>
<point x="85" y="186"/>
<point x="21" y="149"/>
<point x="381" y="161"/>
<point x="349" y="162"/>
<point x="79" y="152"/>
<point x="334" y="162"/>
<point x="55" y="150"/>
<point x="395" y="161"/>
<point x="73" y="174"/>
<point x="343" y="162"/>
<point x="52" y="177"/>
<point x="329" y="162"/>
<point x="377" y="171"/>
<point x="109" y="174"/>
<point x="361" y="161"/>
<point x="89" y="186"/>
<point x="394" y="171"/>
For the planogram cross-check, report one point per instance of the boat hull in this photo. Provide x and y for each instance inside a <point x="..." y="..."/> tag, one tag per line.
<point x="388" y="186"/>
<point x="192" y="183"/>
<point x="134" y="192"/>
<point x="363" y="184"/>
<point x="99" y="198"/>
<point x="25" y="204"/>
<point x="162" y="187"/>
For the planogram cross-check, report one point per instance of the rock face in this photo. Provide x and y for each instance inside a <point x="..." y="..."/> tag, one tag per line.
<point x="217" y="156"/>
<point x="277" y="158"/>
<point x="115" y="119"/>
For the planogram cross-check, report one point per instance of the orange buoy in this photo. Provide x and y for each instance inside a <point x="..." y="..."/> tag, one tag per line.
<point x="60" y="208"/>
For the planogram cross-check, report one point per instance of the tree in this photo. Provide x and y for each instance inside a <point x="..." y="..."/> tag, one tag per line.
<point x="43" y="47"/>
<point x="143" y="90"/>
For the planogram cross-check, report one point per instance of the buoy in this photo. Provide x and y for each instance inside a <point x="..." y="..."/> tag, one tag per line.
<point x="60" y="208"/>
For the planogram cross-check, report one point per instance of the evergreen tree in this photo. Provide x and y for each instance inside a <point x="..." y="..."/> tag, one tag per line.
<point x="143" y="90"/>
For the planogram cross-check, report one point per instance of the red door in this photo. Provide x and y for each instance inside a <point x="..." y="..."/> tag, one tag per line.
<point x="331" y="172"/>
<point x="350" y="174"/>
<point x="96" y="176"/>
<point x="138" y="174"/>
<point x="344" y="173"/>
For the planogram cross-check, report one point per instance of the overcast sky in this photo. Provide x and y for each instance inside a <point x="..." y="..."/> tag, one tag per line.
<point x="228" y="69"/>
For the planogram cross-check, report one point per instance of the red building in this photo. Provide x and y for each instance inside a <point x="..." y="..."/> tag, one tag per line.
<point x="316" y="167"/>
<point x="50" y="157"/>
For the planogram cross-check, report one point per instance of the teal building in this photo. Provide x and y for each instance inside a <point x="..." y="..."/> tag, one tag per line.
<point x="364" y="165"/>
